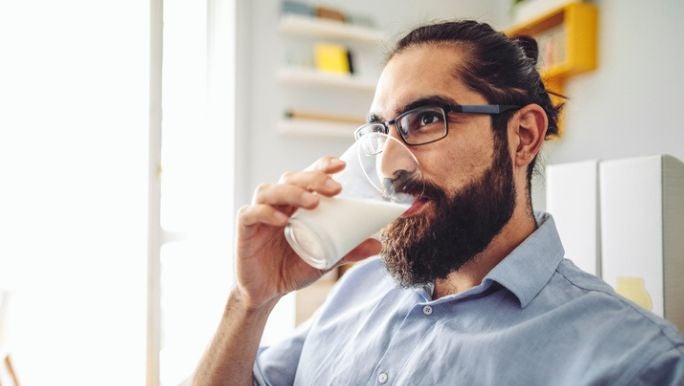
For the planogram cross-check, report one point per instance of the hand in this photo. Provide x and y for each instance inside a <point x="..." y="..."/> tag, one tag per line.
<point x="266" y="265"/>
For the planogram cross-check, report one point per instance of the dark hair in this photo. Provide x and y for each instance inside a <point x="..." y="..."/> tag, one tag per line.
<point x="502" y="69"/>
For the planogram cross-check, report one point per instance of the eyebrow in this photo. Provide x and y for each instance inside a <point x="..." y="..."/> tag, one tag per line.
<point x="424" y="101"/>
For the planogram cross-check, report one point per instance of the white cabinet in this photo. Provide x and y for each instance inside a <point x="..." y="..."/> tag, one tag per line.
<point x="623" y="220"/>
<point x="572" y="199"/>
<point x="642" y="228"/>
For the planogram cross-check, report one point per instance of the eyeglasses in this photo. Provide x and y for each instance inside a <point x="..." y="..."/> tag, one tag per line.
<point x="428" y="124"/>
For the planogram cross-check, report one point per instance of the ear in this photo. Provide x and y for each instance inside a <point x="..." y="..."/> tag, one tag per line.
<point x="529" y="133"/>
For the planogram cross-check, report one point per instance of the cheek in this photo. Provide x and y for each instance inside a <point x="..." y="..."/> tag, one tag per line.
<point x="453" y="164"/>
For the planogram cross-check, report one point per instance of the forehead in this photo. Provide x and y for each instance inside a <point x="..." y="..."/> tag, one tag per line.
<point x="422" y="71"/>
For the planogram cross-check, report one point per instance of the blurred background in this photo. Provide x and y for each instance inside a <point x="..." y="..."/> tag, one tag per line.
<point x="131" y="131"/>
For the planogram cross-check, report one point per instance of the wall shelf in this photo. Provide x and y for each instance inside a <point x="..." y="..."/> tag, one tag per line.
<point x="567" y="39"/>
<point x="314" y="128"/>
<point x="577" y="24"/>
<point x="309" y="26"/>
<point x="305" y="76"/>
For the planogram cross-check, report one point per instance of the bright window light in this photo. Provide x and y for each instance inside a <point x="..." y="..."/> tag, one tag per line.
<point x="197" y="189"/>
<point x="74" y="157"/>
<point x="74" y="79"/>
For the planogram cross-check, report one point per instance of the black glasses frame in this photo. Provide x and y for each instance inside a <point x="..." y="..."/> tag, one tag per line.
<point x="446" y="109"/>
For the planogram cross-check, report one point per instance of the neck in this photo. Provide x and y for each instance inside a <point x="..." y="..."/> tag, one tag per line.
<point x="518" y="228"/>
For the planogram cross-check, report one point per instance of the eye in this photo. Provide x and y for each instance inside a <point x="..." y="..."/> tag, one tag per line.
<point x="426" y="119"/>
<point x="429" y="117"/>
<point x="416" y="124"/>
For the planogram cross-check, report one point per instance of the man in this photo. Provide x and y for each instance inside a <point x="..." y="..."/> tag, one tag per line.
<point x="470" y="287"/>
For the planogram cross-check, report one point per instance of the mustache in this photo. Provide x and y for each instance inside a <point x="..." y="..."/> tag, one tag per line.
<point x="403" y="181"/>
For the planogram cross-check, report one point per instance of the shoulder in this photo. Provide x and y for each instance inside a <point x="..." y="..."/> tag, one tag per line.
<point x="594" y="290"/>
<point x="606" y="303"/>
<point x="613" y="338"/>
<point x="612" y="326"/>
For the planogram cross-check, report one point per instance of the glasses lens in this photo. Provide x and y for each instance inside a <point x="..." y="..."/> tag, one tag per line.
<point x="368" y="136"/>
<point x="369" y="129"/>
<point x="372" y="144"/>
<point x="422" y="125"/>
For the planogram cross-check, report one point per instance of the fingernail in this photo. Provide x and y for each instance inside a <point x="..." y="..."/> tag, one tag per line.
<point x="336" y="162"/>
<point x="308" y="199"/>
<point x="331" y="184"/>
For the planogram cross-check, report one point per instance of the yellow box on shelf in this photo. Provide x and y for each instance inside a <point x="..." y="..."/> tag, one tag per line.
<point x="332" y="58"/>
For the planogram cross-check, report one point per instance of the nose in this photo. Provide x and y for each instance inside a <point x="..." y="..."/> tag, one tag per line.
<point x="396" y="159"/>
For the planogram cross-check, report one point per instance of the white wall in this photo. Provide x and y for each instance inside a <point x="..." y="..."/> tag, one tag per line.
<point x="74" y="115"/>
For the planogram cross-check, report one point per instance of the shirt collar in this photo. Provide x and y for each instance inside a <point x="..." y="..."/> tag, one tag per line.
<point x="527" y="269"/>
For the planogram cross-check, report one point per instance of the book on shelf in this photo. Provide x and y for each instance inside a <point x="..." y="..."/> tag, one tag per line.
<point x="316" y="11"/>
<point x="289" y="7"/>
<point x="335" y="58"/>
<point x="323" y="117"/>
<point x="325" y="12"/>
<point x="296" y="8"/>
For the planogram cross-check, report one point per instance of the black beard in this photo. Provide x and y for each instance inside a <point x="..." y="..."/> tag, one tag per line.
<point x="418" y="250"/>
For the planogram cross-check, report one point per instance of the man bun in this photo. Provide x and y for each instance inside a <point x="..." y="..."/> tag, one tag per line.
<point x="529" y="47"/>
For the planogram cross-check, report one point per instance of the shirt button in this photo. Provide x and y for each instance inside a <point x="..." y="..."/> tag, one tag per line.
<point x="382" y="378"/>
<point x="427" y="310"/>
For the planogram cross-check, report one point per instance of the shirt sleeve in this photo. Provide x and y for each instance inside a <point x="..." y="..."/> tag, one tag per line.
<point x="277" y="365"/>
<point x="666" y="369"/>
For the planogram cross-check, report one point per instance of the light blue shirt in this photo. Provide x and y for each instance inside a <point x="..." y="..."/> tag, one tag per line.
<point x="536" y="319"/>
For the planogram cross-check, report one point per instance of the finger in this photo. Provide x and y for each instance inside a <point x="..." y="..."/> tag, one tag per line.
<point x="285" y="195"/>
<point x="315" y="181"/>
<point x="327" y="164"/>
<point x="261" y="214"/>
<point x="370" y="247"/>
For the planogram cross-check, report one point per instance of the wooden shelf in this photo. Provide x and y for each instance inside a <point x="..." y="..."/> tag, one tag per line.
<point x="310" y="127"/>
<point x="579" y="24"/>
<point x="303" y="25"/>
<point x="305" y="76"/>
<point x="567" y="38"/>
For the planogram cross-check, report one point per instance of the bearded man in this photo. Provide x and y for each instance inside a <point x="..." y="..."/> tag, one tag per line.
<point x="470" y="286"/>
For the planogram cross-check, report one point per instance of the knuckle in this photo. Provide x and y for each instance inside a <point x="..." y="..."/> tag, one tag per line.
<point x="264" y="210"/>
<point x="261" y="188"/>
<point x="287" y="176"/>
<point x="243" y="211"/>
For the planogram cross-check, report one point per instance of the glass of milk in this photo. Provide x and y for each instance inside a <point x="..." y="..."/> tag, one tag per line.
<point x="380" y="181"/>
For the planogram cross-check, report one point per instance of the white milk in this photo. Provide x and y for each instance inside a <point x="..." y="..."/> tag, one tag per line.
<point x="325" y="234"/>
